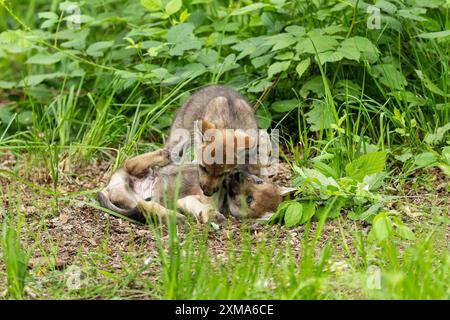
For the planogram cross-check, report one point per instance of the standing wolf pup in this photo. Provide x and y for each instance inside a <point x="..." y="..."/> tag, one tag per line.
<point x="213" y="109"/>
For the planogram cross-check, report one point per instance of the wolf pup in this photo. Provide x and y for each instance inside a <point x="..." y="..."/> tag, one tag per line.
<point x="215" y="109"/>
<point x="250" y="196"/>
<point x="147" y="193"/>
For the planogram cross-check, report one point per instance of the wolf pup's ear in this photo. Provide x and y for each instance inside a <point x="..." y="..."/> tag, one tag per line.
<point x="286" y="191"/>
<point x="243" y="140"/>
<point x="206" y="125"/>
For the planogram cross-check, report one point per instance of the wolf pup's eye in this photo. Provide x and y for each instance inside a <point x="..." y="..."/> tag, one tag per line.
<point x="249" y="200"/>
<point x="259" y="181"/>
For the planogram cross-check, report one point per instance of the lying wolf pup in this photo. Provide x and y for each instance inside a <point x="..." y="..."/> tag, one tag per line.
<point x="145" y="194"/>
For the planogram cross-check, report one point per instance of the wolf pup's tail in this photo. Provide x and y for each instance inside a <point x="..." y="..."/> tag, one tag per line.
<point x="130" y="213"/>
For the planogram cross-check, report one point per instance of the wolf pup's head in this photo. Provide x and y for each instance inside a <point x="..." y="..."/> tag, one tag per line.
<point x="251" y="196"/>
<point x="220" y="149"/>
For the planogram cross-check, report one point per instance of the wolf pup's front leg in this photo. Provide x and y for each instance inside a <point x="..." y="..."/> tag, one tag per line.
<point x="152" y="209"/>
<point x="139" y="166"/>
<point x="201" y="211"/>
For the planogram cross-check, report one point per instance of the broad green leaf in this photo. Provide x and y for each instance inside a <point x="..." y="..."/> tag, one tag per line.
<point x="302" y="67"/>
<point x="366" y="165"/>
<point x="434" y="138"/>
<point x="324" y="168"/>
<point x="375" y="181"/>
<point x="260" y="86"/>
<point x="317" y="42"/>
<point x="34" y="80"/>
<point x="425" y="159"/>
<point x="309" y="209"/>
<point x="183" y="38"/>
<point x="173" y="6"/>
<point x="316" y="85"/>
<point x="7" y="84"/>
<point x="330" y="56"/>
<point x="228" y="64"/>
<point x="279" y="215"/>
<point x="317" y="177"/>
<point x="390" y="76"/>
<point x="382" y="227"/>
<point x="48" y="15"/>
<point x="446" y="153"/>
<point x="297" y="31"/>
<point x="281" y="41"/>
<point x="293" y="215"/>
<point x="247" y="51"/>
<point x="77" y="19"/>
<point x="98" y="48"/>
<point x="277" y="67"/>
<point x="320" y="117"/>
<point x="68" y="6"/>
<point x="5" y="115"/>
<point x="353" y="47"/>
<point x="44" y="59"/>
<point x="406" y="155"/>
<point x="283" y="106"/>
<point x="247" y="9"/>
<point x="386" y="6"/>
<point x="261" y="61"/>
<point x="25" y="118"/>
<point x="152" y="5"/>
<point x="404" y="232"/>
<point x="445" y="168"/>
<point x="263" y="117"/>
<point x="48" y="24"/>
<point x="273" y="21"/>
<point x="287" y="55"/>
<point x="350" y="53"/>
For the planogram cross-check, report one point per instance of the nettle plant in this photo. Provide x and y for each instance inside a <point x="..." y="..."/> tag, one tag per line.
<point x="321" y="191"/>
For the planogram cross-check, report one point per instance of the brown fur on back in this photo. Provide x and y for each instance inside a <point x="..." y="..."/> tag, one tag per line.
<point x="222" y="108"/>
<point x="237" y="115"/>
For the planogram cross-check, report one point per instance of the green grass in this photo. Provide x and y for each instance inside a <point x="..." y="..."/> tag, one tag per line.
<point x="364" y="119"/>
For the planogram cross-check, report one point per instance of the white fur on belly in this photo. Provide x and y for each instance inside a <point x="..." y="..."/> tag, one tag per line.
<point x="145" y="187"/>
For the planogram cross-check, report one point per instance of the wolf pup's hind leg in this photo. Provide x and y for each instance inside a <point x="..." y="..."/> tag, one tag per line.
<point x="140" y="165"/>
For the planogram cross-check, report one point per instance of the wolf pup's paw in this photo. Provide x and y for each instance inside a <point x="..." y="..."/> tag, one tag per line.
<point x="218" y="218"/>
<point x="163" y="157"/>
<point x="209" y="214"/>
